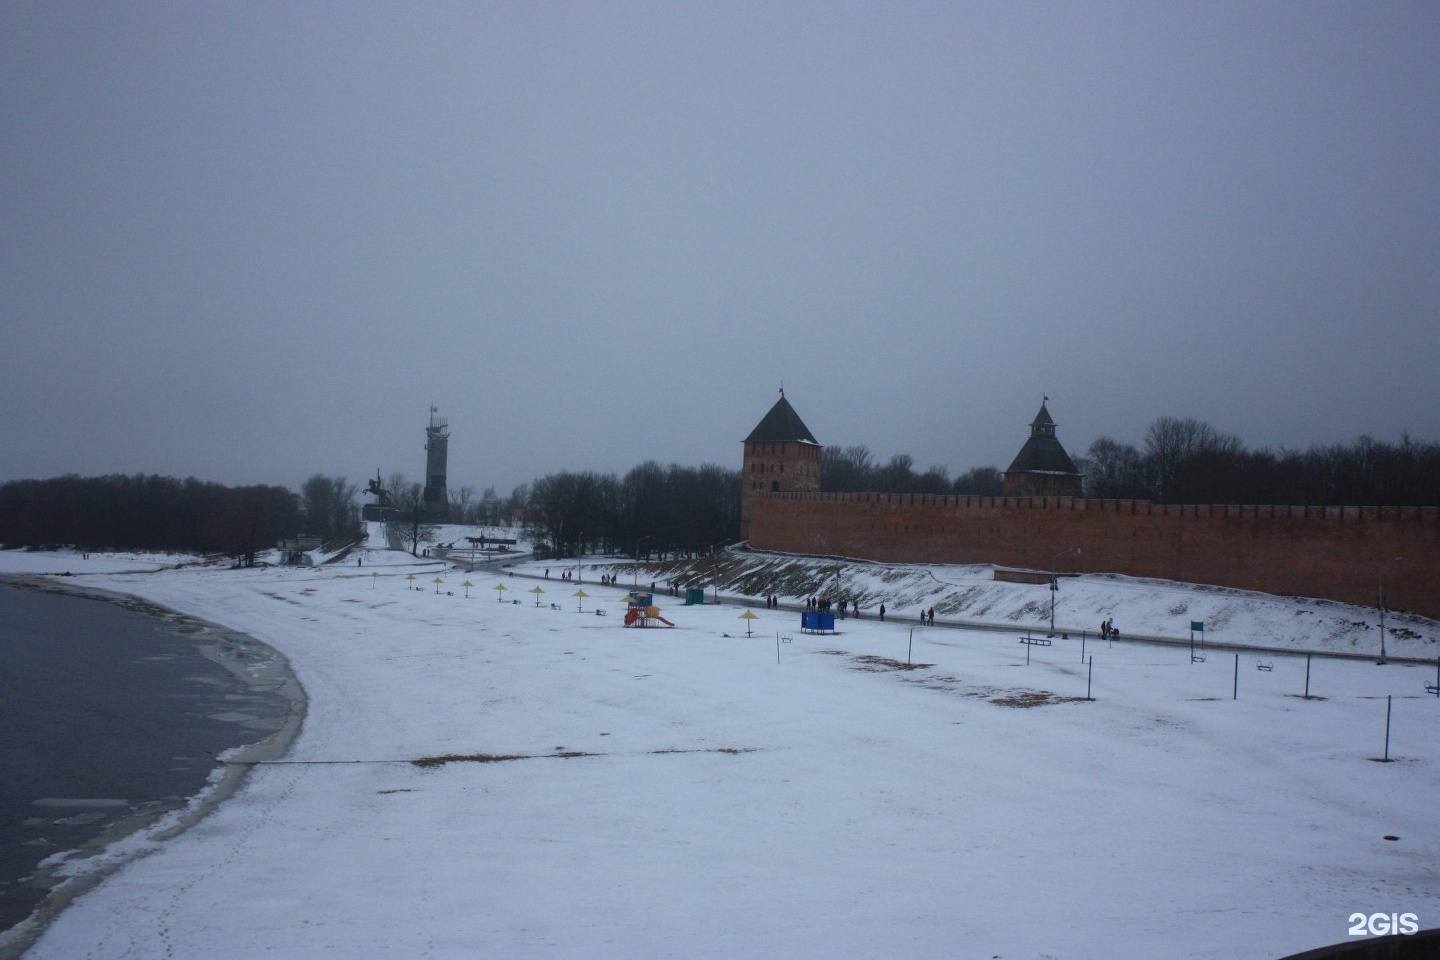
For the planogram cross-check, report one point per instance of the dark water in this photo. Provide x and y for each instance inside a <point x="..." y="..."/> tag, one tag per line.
<point x="109" y="717"/>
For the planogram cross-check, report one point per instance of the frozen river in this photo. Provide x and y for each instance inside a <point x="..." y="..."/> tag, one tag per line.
<point x="110" y="717"/>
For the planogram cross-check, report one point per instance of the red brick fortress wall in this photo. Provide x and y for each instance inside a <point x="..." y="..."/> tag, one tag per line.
<point x="1330" y="552"/>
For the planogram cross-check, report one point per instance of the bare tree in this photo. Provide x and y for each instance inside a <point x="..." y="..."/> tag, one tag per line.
<point x="329" y="507"/>
<point x="936" y="480"/>
<point x="897" y="476"/>
<point x="979" y="482"/>
<point x="1114" y="471"/>
<point x="847" y="469"/>
<point x="409" y="525"/>
<point x="462" y="502"/>
<point x="1171" y="441"/>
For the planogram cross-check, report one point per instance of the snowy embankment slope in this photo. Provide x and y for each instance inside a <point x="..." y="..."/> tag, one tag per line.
<point x="697" y="793"/>
<point x="451" y="536"/>
<point x="969" y="594"/>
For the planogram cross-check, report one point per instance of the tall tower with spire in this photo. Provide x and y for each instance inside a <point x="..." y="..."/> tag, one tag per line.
<point x="1042" y="468"/>
<point x="780" y="454"/>
<point x="437" y="443"/>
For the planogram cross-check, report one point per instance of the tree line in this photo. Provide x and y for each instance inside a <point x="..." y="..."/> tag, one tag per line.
<point x="667" y="510"/>
<point x="854" y="470"/>
<point x="677" y="510"/>
<point x="670" y="511"/>
<point x="152" y="512"/>
<point x="146" y="513"/>
<point x="1184" y="460"/>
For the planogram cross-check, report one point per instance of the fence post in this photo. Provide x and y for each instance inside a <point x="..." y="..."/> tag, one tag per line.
<point x="1307" y="675"/>
<point x="1235" y="694"/>
<point x="1090" y="675"/>
<point x="1389" y="702"/>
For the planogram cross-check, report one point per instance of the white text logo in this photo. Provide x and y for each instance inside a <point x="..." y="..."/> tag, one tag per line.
<point x="1381" y="924"/>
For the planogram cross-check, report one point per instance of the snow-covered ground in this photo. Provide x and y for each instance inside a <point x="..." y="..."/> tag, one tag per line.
<point x="449" y="536"/>
<point x="74" y="561"/>
<point x="600" y="791"/>
<point x="970" y="595"/>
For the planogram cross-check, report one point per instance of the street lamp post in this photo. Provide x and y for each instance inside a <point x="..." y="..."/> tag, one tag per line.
<point x="713" y="548"/>
<point x="635" y="567"/>
<point x="1380" y="603"/>
<point x="1055" y="583"/>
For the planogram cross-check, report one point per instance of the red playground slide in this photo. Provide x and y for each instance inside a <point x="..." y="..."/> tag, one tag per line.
<point x="638" y="616"/>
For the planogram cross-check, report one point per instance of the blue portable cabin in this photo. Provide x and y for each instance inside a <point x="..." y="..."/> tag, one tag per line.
<point x="815" y="622"/>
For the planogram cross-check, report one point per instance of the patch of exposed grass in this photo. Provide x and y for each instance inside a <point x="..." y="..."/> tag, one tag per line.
<point x="1032" y="698"/>
<point x="440" y="761"/>
<point x="878" y="664"/>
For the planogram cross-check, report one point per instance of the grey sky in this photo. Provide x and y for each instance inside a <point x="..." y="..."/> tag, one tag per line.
<point x="250" y="242"/>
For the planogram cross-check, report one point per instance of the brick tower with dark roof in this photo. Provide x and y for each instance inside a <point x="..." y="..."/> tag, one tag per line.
<point x="1042" y="468"/>
<point x="780" y="454"/>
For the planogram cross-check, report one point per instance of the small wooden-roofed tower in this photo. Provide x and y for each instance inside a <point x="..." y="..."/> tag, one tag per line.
<point x="1042" y="468"/>
<point x="780" y="454"/>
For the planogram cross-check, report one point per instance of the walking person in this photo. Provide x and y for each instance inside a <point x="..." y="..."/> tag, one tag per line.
<point x="882" y="613"/>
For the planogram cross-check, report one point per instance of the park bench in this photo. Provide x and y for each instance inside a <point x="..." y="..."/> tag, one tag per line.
<point x="1037" y="641"/>
<point x="1265" y="665"/>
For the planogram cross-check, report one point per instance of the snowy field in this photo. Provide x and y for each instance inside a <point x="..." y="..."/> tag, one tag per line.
<point x="970" y="594"/>
<point x="596" y="791"/>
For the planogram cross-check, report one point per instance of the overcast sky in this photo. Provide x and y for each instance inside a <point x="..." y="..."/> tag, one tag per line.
<point x="249" y="242"/>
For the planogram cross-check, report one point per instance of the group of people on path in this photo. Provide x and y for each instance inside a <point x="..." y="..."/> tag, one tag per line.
<point x="1107" y="630"/>
<point x="606" y="579"/>
<point x="825" y="605"/>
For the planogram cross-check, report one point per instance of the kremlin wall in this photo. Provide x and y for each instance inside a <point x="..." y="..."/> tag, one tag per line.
<point x="1334" y="553"/>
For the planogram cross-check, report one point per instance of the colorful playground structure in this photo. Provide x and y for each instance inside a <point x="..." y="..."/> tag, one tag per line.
<point x="642" y="612"/>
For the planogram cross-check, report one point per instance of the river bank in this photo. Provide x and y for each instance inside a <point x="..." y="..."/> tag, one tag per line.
<point x="126" y="722"/>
